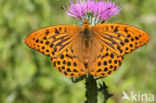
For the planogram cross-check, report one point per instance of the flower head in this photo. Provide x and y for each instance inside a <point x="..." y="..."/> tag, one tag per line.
<point x="92" y="10"/>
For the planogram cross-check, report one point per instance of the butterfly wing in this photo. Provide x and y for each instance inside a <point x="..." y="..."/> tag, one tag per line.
<point x="51" y="41"/>
<point x="102" y="61"/>
<point x="120" y="38"/>
<point x="112" y="42"/>
<point x="58" y="42"/>
<point x="71" y="61"/>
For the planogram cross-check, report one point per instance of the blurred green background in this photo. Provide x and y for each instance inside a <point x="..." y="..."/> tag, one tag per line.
<point x="26" y="76"/>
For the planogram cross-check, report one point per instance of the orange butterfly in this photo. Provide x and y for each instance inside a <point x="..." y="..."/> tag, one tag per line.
<point x="97" y="50"/>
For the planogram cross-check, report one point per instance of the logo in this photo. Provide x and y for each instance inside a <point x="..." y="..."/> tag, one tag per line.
<point x="142" y="97"/>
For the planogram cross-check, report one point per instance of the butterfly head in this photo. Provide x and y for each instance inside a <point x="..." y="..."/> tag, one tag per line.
<point x="86" y="22"/>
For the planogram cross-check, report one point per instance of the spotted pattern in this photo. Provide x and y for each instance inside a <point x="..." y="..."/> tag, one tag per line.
<point x="106" y="63"/>
<point x="57" y="42"/>
<point x="67" y="63"/>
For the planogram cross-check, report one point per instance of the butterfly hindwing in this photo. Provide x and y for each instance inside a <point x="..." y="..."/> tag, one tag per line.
<point x="120" y="38"/>
<point x="103" y="61"/>
<point x="71" y="61"/>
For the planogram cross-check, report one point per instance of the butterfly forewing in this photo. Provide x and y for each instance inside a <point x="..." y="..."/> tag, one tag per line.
<point x="121" y="39"/>
<point x="58" y="42"/>
<point x="51" y="41"/>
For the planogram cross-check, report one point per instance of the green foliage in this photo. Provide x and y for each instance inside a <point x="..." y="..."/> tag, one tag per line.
<point x="27" y="76"/>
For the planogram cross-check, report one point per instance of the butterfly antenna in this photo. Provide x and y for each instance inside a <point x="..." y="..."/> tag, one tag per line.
<point x="102" y="21"/>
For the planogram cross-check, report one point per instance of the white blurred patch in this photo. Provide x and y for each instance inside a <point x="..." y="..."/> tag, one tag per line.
<point x="149" y="19"/>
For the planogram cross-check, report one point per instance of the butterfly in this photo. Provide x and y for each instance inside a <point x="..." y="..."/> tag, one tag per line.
<point x="79" y="50"/>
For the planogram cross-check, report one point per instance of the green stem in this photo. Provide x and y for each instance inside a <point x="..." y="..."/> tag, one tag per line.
<point x="91" y="90"/>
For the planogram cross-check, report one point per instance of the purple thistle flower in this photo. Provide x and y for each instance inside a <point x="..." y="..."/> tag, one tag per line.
<point x="92" y="10"/>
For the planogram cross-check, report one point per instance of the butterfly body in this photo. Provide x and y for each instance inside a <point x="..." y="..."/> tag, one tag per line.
<point x="86" y="33"/>
<point x="96" y="50"/>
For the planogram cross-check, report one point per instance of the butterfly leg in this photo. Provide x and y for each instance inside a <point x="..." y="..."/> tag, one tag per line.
<point x="75" y="80"/>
